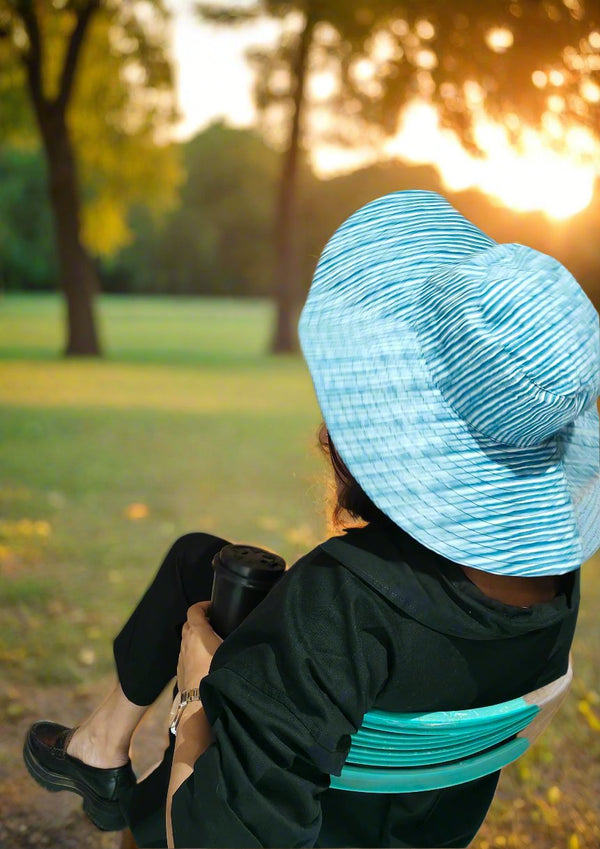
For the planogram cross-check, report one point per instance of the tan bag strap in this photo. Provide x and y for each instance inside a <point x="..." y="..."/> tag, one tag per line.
<point x="548" y="698"/>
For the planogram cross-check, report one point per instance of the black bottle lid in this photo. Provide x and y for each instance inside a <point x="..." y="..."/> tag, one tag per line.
<point x="250" y="562"/>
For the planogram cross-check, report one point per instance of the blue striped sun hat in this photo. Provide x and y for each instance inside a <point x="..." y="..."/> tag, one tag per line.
<point x="458" y="379"/>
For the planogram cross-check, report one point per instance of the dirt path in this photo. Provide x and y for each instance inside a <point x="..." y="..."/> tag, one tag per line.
<point x="32" y="817"/>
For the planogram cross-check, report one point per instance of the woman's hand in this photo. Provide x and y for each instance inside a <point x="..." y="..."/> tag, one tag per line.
<point x="198" y="644"/>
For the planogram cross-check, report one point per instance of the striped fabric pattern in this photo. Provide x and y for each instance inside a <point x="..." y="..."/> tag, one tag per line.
<point x="458" y="379"/>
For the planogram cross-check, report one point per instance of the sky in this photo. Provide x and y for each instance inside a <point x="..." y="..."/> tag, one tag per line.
<point x="213" y="77"/>
<point x="214" y="81"/>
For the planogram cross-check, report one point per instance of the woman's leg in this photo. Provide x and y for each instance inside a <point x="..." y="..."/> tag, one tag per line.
<point x="146" y="650"/>
<point x="104" y="738"/>
<point x="93" y="760"/>
<point x="146" y="654"/>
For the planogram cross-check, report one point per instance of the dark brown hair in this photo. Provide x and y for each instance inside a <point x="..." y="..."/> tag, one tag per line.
<point x="350" y="498"/>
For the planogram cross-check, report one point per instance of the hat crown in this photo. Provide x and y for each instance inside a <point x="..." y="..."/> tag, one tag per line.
<point x="512" y="342"/>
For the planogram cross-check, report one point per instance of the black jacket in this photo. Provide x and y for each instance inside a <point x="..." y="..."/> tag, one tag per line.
<point x="368" y="619"/>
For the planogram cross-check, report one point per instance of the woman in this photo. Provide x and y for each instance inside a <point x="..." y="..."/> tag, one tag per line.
<point x="458" y="380"/>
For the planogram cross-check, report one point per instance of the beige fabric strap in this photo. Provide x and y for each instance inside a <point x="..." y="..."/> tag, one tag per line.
<point x="548" y="698"/>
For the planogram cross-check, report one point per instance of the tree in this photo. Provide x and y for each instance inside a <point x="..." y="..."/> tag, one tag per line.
<point x="291" y="60"/>
<point x="468" y="57"/>
<point x="216" y="242"/>
<point x="99" y="88"/>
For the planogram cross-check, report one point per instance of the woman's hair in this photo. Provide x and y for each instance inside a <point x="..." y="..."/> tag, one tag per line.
<point x="350" y="497"/>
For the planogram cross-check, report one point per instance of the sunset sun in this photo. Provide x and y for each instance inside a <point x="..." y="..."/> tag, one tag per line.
<point x="535" y="177"/>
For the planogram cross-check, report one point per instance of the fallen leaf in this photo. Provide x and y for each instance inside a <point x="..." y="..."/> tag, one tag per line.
<point x="585" y="708"/>
<point x="14" y="710"/>
<point x="42" y="528"/>
<point x="87" y="656"/>
<point x="136" y="511"/>
<point x="554" y="795"/>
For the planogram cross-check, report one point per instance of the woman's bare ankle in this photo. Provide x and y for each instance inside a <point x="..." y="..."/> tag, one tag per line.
<point x="103" y="739"/>
<point x="97" y="749"/>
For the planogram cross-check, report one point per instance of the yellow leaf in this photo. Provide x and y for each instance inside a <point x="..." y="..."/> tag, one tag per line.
<point x="87" y="656"/>
<point x="136" y="510"/>
<point x="13" y="693"/>
<point x="14" y="710"/>
<point x="554" y="795"/>
<point x="104" y="224"/>
<point x="573" y="842"/>
<point x="585" y="708"/>
<point x="593" y="697"/>
<point x="42" y="527"/>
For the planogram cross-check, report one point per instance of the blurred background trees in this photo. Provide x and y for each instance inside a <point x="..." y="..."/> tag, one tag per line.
<point x="90" y="79"/>
<point x="217" y="240"/>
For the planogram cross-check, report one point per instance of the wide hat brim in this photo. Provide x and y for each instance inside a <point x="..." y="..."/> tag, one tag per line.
<point x="529" y="511"/>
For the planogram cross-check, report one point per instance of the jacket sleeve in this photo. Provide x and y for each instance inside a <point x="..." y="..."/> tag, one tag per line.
<point x="284" y="693"/>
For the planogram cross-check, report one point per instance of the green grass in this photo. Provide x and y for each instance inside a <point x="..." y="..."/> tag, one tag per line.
<point x="166" y="330"/>
<point x="188" y="415"/>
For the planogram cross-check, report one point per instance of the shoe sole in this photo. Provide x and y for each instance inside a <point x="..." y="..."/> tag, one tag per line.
<point x="100" y="811"/>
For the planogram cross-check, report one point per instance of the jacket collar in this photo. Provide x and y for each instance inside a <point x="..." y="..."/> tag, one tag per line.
<point x="435" y="591"/>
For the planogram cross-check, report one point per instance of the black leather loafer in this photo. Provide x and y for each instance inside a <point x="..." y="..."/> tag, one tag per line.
<point x="46" y="759"/>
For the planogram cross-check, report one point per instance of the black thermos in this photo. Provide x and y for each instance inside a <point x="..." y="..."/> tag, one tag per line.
<point x="244" y="574"/>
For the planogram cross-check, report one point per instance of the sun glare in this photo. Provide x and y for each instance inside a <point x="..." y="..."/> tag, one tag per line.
<point x="534" y="178"/>
<point x="499" y="39"/>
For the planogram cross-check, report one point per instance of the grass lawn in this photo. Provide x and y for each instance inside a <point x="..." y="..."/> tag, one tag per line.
<point x="188" y="425"/>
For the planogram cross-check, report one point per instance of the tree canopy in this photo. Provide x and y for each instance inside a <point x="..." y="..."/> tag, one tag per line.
<point x="217" y="241"/>
<point x="120" y="103"/>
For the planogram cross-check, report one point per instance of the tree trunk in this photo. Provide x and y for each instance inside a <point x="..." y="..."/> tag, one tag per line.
<point x="286" y="275"/>
<point x="79" y="281"/>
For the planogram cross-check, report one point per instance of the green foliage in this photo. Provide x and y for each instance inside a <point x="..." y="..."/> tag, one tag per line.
<point x="123" y="154"/>
<point x="120" y="109"/>
<point x="27" y="257"/>
<point x="218" y="240"/>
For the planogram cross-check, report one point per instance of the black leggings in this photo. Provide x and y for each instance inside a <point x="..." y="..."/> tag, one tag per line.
<point x="147" y="648"/>
<point x="146" y="653"/>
